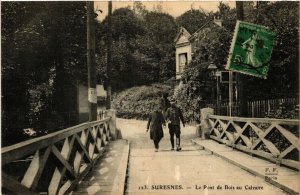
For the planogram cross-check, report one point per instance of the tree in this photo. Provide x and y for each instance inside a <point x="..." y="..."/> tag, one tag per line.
<point x="44" y="56"/>
<point x="227" y="15"/>
<point x="161" y="30"/>
<point x="126" y="27"/>
<point x="143" y="47"/>
<point x="139" y="9"/>
<point x="192" y="20"/>
<point x="16" y="64"/>
<point x="283" y="19"/>
<point x="125" y="24"/>
<point x="213" y="46"/>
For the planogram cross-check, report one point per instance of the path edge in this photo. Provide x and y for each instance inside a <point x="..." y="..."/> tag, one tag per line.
<point x="252" y="171"/>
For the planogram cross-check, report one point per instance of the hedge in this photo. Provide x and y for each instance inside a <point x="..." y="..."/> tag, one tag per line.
<point x="139" y="102"/>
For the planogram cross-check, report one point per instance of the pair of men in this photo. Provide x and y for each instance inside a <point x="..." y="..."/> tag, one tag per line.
<point x="170" y="113"/>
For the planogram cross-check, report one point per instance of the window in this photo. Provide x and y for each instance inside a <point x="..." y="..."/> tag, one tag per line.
<point x="182" y="61"/>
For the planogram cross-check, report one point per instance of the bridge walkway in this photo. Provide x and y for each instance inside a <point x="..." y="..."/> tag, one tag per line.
<point x="190" y="171"/>
<point x="280" y="176"/>
<point x="109" y="174"/>
<point x="194" y="170"/>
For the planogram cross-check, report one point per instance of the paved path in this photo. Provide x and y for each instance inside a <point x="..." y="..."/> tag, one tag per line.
<point x="190" y="171"/>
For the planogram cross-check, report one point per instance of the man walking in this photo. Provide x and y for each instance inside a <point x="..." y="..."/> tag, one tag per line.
<point x="173" y="116"/>
<point x="164" y="103"/>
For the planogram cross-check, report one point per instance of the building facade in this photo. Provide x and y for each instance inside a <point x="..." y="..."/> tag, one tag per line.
<point x="185" y="43"/>
<point x="183" y="51"/>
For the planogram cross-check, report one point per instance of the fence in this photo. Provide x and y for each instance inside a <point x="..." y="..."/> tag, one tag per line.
<point x="274" y="107"/>
<point x="273" y="139"/>
<point x="55" y="163"/>
<point x="223" y="108"/>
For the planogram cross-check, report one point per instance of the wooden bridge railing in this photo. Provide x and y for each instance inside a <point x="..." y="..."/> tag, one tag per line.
<point x="55" y="163"/>
<point x="273" y="139"/>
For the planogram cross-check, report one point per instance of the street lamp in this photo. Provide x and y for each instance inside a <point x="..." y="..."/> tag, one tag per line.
<point x="212" y="68"/>
<point x="216" y="74"/>
<point x="212" y="71"/>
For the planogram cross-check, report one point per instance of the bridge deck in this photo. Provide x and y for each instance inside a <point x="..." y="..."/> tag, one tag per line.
<point x="195" y="171"/>
<point x="190" y="171"/>
<point x="283" y="177"/>
<point x="108" y="176"/>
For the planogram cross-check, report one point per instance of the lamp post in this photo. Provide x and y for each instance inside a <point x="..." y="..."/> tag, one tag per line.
<point x="241" y="80"/>
<point x="91" y="63"/>
<point x="213" y="72"/>
<point x="218" y="75"/>
<point x="108" y="65"/>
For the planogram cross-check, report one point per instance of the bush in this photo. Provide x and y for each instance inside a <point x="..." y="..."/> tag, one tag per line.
<point x="285" y="111"/>
<point x="188" y="102"/>
<point x="139" y="102"/>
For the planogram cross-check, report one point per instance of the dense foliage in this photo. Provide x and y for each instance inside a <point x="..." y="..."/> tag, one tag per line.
<point x="192" y="20"/>
<point x="283" y="19"/>
<point x="43" y="56"/>
<point x="197" y="85"/>
<point x="142" y="46"/>
<point x="139" y="102"/>
<point x="212" y="46"/>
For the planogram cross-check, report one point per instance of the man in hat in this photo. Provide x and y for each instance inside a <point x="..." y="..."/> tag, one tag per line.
<point x="173" y="116"/>
<point x="164" y="103"/>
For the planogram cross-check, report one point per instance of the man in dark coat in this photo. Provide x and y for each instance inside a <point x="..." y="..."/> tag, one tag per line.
<point x="164" y="103"/>
<point x="174" y="116"/>
<point x="155" y="122"/>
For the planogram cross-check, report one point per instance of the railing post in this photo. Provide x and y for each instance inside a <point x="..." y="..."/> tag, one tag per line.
<point x="205" y="125"/>
<point x="112" y="122"/>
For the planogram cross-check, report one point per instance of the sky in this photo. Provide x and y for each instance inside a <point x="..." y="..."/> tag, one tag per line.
<point x="174" y="8"/>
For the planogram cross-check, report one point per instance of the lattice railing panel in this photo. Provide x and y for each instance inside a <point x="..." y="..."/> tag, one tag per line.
<point x="54" y="163"/>
<point x="274" y="139"/>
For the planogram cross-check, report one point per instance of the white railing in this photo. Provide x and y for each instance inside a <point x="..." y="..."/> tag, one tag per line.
<point x="273" y="139"/>
<point x="54" y="163"/>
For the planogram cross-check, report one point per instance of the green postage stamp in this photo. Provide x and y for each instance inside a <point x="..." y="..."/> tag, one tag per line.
<point x="251" y="49"/>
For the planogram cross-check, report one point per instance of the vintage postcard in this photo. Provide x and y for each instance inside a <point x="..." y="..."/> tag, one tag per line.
<point x="150" y="97"/>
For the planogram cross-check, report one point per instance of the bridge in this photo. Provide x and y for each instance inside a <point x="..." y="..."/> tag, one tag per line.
<point x="235" y="156"/>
